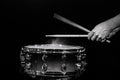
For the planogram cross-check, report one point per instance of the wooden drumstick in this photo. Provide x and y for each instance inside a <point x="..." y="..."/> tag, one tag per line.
<point x="65" y="20"/>
<point x="66" y="35"/>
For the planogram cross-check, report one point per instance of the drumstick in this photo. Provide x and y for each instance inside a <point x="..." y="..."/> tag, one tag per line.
<point x="65" y="20"/>
<point x="64" y="35"/>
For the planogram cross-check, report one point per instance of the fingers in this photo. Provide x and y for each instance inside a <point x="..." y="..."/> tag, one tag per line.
<point x="90" y="35"/>
<point x="103" y="40"/>
<point x="98" y="38"/>
<point x="93" y="36"/>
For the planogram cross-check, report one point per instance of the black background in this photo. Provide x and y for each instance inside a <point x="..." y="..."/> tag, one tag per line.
<point x="25" y="22"/>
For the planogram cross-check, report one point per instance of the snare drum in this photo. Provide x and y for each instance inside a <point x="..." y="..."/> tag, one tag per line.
<point x="53" y="60"/>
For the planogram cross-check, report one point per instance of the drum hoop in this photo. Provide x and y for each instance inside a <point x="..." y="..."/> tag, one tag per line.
<point x="38" y="50"/>
<point x="51" y="74"/>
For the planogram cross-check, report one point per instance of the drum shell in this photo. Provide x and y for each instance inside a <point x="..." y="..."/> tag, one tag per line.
<point x="33" y="61"/>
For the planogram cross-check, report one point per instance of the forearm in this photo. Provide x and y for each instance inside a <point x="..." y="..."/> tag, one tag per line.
<point x="115" y="21"/>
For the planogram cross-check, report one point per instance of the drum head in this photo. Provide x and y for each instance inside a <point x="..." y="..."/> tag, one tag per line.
<point x="54" y="46"/>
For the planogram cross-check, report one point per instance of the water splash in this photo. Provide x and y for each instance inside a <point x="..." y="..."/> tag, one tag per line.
<point x="57" y="41"/>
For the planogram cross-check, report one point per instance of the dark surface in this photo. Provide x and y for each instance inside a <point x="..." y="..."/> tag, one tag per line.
<point x="26" y="22"/>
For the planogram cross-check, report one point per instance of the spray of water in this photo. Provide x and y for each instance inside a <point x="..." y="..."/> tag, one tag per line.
<point x="57" y="41"/>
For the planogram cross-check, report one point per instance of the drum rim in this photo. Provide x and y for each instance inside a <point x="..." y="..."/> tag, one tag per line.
<point x="45" y="51"/>
<point x="71" y="46"/>
<point x="54" y="50"/>
<point x="52" y="74"/>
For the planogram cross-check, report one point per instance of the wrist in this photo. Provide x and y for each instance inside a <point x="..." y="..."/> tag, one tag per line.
<point x="115" y="21"/>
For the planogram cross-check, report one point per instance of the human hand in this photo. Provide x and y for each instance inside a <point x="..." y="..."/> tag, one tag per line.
<point x="103" y="31"/>
<point x="113" y="32"/>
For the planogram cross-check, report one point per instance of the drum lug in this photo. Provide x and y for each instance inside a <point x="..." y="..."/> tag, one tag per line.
<point x="44" y="57"/>
<point x="79" y="57"/>
<point x="83" y="56"/>
<point x="28" y="56"/>
<point x="81" y="66"/>
<point x="78" y="66"/>
<point x="28" y="65"/>
<point x="63" y="68"/>
<point x="44" y="68"/>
